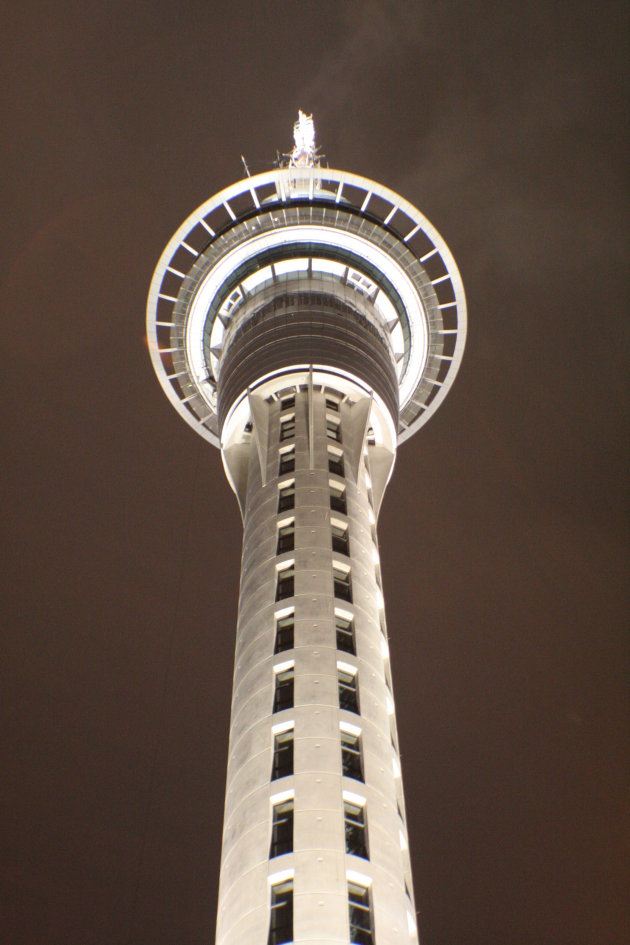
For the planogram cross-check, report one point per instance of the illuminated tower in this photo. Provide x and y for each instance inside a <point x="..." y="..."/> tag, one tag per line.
<point x="306" y="321"/>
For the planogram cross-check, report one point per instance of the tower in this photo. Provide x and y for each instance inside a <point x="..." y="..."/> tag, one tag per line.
<point x="306" y="321"/>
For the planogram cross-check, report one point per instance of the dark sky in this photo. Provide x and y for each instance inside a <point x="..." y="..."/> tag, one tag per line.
<point x="504" y="530"/>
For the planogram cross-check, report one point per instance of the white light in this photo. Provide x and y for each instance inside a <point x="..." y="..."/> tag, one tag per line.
<point x="354" y="798"/>
<point x="282" y="796"/>
<point x="283" y="667"/>
<point x="280" y="877"/>
<point x="360" y="878"/>
<point x="304" y="132"/>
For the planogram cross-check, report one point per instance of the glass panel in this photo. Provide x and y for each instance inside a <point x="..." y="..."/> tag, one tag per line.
<point x="338" y="500"/>
<point x="351" y="765"/>
<point x="284" y="633"/>
<point x="360" y="915"/>
<point x="287" y="462"/>
<point x="282" y="765"/>
<point x="281" y="917"/>
<point x="335" y="464"/>
<point x="345" y="634"/>
<point x="286" y="580"/>
<point x="282" y="829"/>
<point x="348" y="695"/>
<point x="286" y="538"/>
<point x="340" y="540"/>
<point x="341" y="585"/>
<point x="356" y="832"/>
<point x="283" y="695"/>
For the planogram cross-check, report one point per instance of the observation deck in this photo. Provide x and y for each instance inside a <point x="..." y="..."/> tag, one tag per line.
<point x="314" y="230"/>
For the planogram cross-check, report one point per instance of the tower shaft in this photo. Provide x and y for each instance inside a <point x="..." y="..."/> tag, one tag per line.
<point x="313" y="729"/>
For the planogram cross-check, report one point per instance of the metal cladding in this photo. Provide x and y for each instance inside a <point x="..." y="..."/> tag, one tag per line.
<point x="307" y="321"/>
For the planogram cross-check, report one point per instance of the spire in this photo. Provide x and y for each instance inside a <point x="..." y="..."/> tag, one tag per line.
<point x="303" y="154"/>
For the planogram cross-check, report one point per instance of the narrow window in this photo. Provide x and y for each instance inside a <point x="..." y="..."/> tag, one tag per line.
<point x="287" y="428"/>
<point x="282" y="829"/>
<point x="284" y="633"/>
<point x="370" y="437"/>
<point x="335" y="463"/>
<point x="333" y="429"/>
<point x="281" y="918"/>
<point x="332" y="403"/>
<point x="287" y="402"/>
<point x="360" y="915"/>
<point x="356" y="829"/>
<point x="286" y="537"/>
<point x="286" y="496"/>
<point x="351" y="762"/>
<point x="344" y="628"/>
<point x="282" y="765"/>
<point x="341" y="583"/>
<point x="337" y="498"/>
<point x="287" y="461"/>
<point x="286" y="581"/>
<point x="340" y="540"/>
<point x="283" y="694"/>
<point x="348" y="689"/>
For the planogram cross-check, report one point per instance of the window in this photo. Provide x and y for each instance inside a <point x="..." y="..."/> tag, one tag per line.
<point x="286" y="537"/>
<point x="332" y="403"/>
<point x="335" y="463"/>
<point x="286" y="496"/>
<point x="337" y="498"/>
<point x="333" y="429"/>
<point x="286" y="581"/>
<point x="351" y="762"/>
<point x="287" y="428"/>
<point x="282" y="765"/>
<point x="344" y="628"/>
<point x="281" y="917"/>
<point x="356" y="829"/>
<point x="284" y="632"/>
<point x="340" y="540"/>
<point x="370" y="437"/>
<point x="348" y="690"/>
<point x="287" y="461"/>
<point x="287" y="402"/>
<point x="360" y="914"/>
<point x="341" y="582"/>
<point x="283" y="695"/>
<point x="282" y="829"/>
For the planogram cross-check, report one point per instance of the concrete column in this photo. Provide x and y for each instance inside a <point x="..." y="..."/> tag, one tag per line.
<point x="319" y="863"/>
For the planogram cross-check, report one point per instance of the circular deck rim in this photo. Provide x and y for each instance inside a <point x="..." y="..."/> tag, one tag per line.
<point x="278" y="187"/>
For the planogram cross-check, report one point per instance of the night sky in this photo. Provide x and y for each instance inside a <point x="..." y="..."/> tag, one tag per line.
<point x="503" y="533"/>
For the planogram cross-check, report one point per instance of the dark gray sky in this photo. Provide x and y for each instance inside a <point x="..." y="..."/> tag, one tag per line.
<point x="504" y="530"/>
